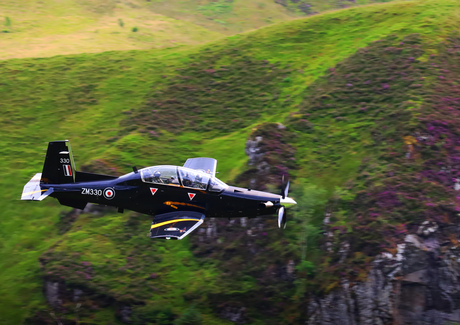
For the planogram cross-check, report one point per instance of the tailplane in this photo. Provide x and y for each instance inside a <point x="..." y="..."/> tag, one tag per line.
<point x="59" y="168"/>
<point x="32" y="190"/>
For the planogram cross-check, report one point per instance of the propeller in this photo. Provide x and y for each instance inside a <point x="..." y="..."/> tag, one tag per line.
<point x="285" y="200"/>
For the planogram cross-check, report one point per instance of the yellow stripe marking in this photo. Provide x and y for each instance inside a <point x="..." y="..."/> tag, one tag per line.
<point x="171" y="221"/>
<point x="181" y="203"/>
<point x="34" y="192"/>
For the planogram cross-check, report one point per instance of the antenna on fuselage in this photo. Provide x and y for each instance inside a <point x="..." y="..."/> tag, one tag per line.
<point x="135" y="170"/>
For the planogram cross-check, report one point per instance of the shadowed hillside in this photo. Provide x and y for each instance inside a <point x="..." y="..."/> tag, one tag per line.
<point x="352" y="104"/>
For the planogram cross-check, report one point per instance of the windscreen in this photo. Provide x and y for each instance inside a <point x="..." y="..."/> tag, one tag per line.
<point x="216" y="185"/>
<point x="160" y="175"/>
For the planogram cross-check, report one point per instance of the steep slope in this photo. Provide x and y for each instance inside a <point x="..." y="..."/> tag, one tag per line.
<point x="395" y="224"/>
<point x="110" y="106"/>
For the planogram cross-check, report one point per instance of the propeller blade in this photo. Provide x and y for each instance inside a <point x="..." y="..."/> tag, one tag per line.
<point x="286" y="190"/>
<point x="281" y="217"/>
<point x="284" y="187"/>
<point x="284" y="221"/>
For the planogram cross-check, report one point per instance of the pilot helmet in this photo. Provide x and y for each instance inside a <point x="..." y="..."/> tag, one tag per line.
<point x="156" y="174"/>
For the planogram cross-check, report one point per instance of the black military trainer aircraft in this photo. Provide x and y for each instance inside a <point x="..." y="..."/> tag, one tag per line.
<point x="179" y="198"/>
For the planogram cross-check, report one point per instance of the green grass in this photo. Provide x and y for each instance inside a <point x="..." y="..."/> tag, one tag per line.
<point x="88" y="98"/>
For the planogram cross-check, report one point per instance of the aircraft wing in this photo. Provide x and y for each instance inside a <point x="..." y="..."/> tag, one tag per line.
<point x="207" y="165"/>
<point x="175" y="225"/>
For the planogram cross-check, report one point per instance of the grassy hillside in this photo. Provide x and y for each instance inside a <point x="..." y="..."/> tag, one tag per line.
<point x="324" y="77"/>
<point x="47" y="28"/>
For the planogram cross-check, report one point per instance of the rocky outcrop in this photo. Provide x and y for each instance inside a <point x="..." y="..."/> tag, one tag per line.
<point x="417" y="285"/>
<point x="52" y="293"/>
<point x="270" y="156"/>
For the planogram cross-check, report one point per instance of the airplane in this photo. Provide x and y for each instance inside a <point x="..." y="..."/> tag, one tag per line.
<point x="179" y="197"/>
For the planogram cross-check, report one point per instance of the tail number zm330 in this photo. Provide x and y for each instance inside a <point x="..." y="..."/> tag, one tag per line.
<point x="91" y="191"/>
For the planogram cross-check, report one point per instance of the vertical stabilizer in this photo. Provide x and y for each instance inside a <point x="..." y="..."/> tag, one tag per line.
<point x="59" y="167"/>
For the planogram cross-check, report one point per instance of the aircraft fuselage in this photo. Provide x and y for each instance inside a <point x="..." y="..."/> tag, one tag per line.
<point x="131" y="193"/>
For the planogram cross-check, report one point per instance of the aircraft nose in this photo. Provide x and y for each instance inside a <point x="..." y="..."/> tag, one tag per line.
<point x="287" y="201"/>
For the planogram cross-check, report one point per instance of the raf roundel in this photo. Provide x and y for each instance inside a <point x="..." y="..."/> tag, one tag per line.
<point x="109" y="193"/>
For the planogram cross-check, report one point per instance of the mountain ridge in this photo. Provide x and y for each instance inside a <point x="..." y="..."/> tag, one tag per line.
<point x="48" y="28"/>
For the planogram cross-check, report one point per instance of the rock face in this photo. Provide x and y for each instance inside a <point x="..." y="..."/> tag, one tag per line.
<point x="270" y="156"/>
<point x="418" y="285"/>
<point x="52" y="293"/>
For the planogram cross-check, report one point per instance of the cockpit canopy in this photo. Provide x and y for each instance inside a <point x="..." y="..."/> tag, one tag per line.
<point x="177" y="176"/>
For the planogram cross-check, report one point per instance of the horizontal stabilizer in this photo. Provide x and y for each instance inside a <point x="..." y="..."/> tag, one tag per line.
<point x="32" y="190"/>
<point x="175" y="225"/>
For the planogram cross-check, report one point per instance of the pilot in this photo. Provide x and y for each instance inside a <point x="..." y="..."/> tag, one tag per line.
<point x="198" y="181"/>
<point x="170" y="180"/>
<point x="156" y="177"/>
<point x="186" y="180"/>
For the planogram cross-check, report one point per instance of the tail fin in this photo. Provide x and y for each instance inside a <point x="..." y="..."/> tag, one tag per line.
<point x="59" y="165"/>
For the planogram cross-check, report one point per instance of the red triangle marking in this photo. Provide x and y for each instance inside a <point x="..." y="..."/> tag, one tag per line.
<point x="191" y="195"/>
<point x="153" y="190"/>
